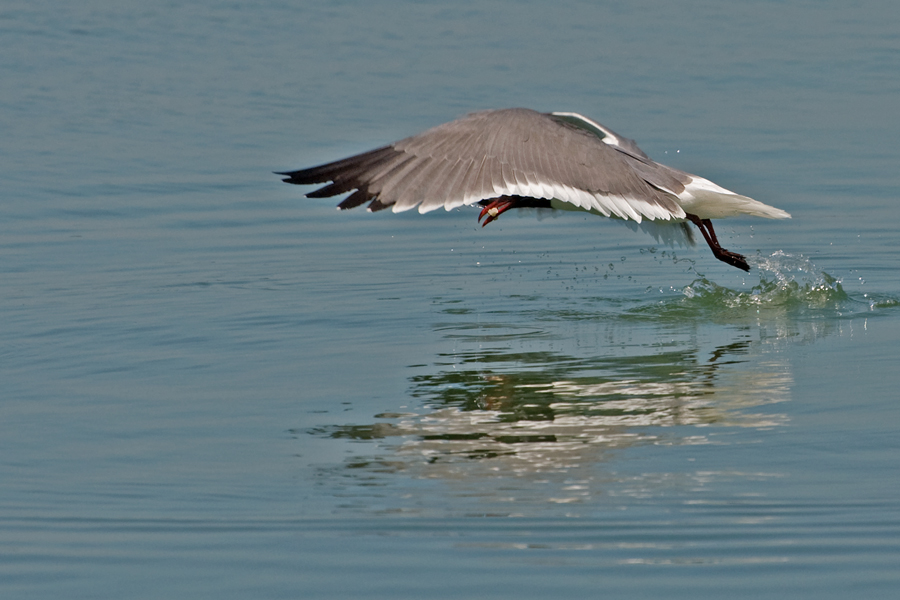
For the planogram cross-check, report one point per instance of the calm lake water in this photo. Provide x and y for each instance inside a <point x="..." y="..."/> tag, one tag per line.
<point x="213" y="387"/>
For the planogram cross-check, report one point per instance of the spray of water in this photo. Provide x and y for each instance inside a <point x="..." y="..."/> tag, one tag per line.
<point x="789" y="286"/>
<point x="785" y="281"/>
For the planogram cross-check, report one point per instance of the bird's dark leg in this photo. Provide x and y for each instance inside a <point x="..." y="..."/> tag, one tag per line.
<point x="709" y="234"/>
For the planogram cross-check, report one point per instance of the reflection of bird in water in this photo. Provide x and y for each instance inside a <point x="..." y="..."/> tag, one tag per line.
<point x="519" y="158"/>
<point x="534" y="420"/>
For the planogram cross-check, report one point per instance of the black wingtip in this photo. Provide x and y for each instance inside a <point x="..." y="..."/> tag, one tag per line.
<point x="286" y="176"/>
<point x="290" y="177"/>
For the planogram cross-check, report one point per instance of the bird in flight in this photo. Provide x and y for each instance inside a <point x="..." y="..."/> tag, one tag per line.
<point x="520" y="158"/>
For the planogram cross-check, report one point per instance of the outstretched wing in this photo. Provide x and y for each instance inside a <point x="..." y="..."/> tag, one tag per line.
<point x="510" y="152"/>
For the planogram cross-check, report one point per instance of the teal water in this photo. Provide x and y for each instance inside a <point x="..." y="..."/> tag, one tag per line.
<point x="214" y="387"/>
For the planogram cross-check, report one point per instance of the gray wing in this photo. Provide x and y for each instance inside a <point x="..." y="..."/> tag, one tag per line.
<point x="510" y="152"/>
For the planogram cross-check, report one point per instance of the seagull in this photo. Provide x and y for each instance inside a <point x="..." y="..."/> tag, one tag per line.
<point x="521" y="158"/>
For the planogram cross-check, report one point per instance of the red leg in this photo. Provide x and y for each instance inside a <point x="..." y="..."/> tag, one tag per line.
<point x="709" y="234"/>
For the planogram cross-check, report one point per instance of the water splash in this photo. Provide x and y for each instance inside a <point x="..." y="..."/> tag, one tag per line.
<point x="785" y="282"/>
<point x="789" y="286"/>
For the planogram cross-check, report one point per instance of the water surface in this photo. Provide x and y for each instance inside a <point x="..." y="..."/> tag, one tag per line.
<point x="213" y="387"/>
